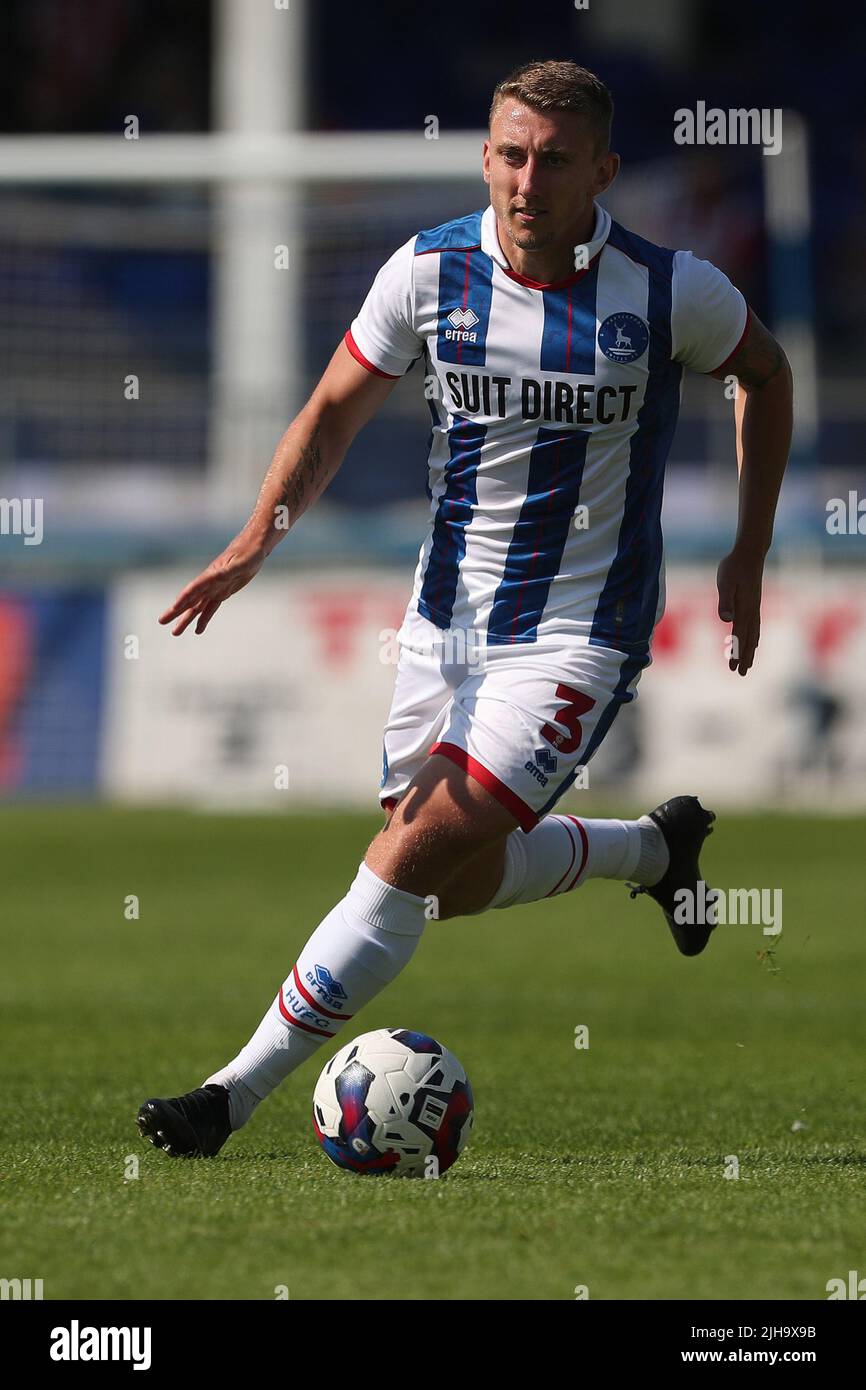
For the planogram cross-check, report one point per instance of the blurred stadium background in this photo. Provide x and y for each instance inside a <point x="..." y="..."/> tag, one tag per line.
<point x="194" y="200"/>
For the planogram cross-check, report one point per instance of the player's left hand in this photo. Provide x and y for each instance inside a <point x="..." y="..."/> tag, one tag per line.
<point x="739" y="579"/>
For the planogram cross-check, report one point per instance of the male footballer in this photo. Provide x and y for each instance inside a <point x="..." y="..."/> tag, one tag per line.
<point x="555" y="341"/>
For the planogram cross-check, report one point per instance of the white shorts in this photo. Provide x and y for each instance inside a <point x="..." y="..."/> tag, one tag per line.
<point x="521" y="719"/>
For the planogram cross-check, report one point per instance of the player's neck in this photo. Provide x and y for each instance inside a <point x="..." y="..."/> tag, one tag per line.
<point x="553" y="263"/>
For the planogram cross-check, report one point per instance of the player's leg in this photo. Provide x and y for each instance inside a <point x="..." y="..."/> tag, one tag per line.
<point x="447" y="826"/>
<point x="372" y="933"/>
<point x="360" y="946"/>
<point x="473" y="885"/>
<point x="658" y="854"/>
<point x="563" y="852"/>
<point x="369" y="936"/>
<point x="526" y="714"/>
<point x="559" y="855"/>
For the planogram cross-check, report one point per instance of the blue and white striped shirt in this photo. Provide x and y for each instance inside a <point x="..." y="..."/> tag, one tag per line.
<point x="553" y="411"/>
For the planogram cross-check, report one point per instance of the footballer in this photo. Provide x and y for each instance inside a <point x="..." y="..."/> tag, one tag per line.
<point x="555" y="341"/>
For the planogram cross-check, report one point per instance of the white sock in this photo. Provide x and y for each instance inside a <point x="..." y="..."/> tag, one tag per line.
<point x="562" y="852"/>
<point x="362" y="944"/>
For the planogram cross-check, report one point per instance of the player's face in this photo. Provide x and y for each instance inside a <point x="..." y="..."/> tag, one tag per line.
<point x="544" y="170"/>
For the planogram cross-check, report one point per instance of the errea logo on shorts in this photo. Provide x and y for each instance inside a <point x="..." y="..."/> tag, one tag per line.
<point x="462" y="321"/>
<point x="545" y="763"/>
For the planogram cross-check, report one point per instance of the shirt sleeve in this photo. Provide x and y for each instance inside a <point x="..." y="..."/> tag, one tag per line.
<point x="382" y="337"/>
<point x="708" y="314"/>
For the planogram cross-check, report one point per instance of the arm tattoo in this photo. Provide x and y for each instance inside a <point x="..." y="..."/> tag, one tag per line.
<point x="758" y="359"/>
<point x="305" y="475"/>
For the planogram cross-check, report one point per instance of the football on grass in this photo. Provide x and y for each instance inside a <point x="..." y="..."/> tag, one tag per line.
<point x="393" y="1101"/>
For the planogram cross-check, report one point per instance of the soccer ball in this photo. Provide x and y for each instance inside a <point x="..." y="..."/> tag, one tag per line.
<point x="393" y="1101"/>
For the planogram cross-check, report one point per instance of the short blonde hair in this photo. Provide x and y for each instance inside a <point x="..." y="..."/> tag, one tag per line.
<point x="560" y="86"/>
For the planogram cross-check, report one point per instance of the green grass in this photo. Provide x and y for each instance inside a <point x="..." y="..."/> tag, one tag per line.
<point x="601" y="1167"/>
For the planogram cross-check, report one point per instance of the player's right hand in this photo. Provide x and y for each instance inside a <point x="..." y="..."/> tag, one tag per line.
<point x="232" y="570"/>
<point x="739" y="578"/>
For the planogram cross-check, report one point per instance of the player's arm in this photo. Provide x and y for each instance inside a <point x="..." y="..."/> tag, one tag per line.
<point x="764" y="418"/>
<point x="306" y="459"/>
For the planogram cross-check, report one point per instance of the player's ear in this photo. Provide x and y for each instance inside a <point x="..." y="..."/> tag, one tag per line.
<point x="608" y="168"/>
<point x="485" y="160"/>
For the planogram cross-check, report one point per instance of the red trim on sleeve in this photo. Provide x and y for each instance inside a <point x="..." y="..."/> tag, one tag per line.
<point x="740" y="343"/>
<point x="359" y="357"/>
<point x="523" y="814"/>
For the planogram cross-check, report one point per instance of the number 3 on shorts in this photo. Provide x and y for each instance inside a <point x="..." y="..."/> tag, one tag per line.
<point x="569" y="715"/>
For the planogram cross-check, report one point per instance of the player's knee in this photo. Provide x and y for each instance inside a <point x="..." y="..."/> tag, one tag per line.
<point x="442" y="823"/>
<point x="471" y="890"/>
<point x="438" y="830"/>
<point x="422" y="854"/>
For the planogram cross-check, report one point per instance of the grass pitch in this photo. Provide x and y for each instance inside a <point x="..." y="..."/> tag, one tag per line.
<point x="601" y="1167"/>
